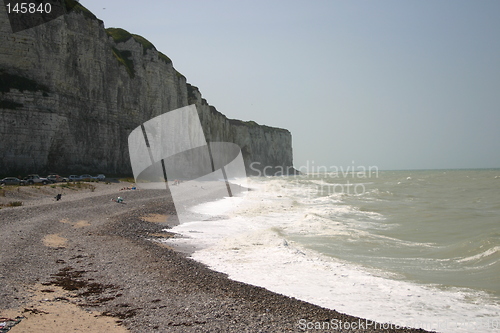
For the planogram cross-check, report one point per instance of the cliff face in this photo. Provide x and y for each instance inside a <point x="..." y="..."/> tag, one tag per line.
<point x="71" y="92"/>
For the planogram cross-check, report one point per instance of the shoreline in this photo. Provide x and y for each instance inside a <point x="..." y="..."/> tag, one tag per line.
<point x="104" y="257"/>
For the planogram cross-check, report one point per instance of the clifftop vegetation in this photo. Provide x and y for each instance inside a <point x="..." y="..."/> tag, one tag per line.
<point x="72" y="5"/>
<point x="120" y="35"/>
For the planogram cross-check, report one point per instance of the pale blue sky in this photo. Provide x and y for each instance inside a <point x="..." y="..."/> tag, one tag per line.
<point x="394" y="84"/>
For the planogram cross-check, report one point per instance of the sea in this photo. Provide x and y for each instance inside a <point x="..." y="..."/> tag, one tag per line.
<point x="416" y="248"/>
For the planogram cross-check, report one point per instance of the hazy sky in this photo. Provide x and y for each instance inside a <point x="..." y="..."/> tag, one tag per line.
<point x="393" y="84"/>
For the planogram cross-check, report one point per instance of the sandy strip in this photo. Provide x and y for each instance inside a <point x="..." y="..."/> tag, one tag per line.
<point x="51" y="309"/>
<point x="54" y="240"/>
<point x="155" y="218"/>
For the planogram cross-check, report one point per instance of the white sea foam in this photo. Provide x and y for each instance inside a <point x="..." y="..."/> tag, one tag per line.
<point x="252" y="243"/>
<point x="482" y="255"/>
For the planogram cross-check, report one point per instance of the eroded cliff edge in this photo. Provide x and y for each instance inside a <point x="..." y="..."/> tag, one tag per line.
<point x="72" y="91"/>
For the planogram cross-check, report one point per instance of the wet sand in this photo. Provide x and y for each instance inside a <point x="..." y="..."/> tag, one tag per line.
<point x="87" y="263"/>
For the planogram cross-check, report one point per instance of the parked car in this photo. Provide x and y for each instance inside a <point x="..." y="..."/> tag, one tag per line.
<point x="74" y="178"/>
<point x="86" y="178"/>
<point x="56" y="178"/>
<point x="36" y="179"/>
<point x="100" y="177"/>
<point x="12" y="181"/>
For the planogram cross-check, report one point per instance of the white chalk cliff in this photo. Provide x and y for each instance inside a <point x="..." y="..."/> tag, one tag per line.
<point x="71" y="92"/>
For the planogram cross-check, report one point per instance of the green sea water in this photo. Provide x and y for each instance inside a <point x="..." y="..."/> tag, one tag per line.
<point x="418" y="248"/>
<point x="439" y="227"/>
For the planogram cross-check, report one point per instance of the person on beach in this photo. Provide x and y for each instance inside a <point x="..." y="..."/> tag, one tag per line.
<point x="118" y="200"/>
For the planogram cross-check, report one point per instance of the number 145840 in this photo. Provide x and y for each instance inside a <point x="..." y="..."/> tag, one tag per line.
<point x="29" y="7"/>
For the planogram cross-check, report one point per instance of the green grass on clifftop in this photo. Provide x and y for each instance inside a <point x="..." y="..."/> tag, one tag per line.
<point x="120" y="35"/>
<point x="163" y="57"/>
<point x="72" y="5"/>
<point x="146" y="44"/>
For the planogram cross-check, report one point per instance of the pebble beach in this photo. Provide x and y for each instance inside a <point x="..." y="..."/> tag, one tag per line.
<point x="87" y="263"/>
